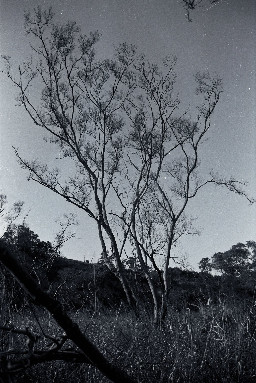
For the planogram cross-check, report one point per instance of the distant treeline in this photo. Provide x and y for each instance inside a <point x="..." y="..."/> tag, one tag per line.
<point x="93" y="287"/>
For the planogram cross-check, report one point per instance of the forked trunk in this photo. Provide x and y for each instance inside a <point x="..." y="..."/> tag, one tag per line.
<point x="119" y="273"/>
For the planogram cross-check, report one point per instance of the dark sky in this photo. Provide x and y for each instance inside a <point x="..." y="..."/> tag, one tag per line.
<point x="221" y="39"/>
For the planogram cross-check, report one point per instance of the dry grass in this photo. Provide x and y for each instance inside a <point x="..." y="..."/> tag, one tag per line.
<point x="215" y="345"/>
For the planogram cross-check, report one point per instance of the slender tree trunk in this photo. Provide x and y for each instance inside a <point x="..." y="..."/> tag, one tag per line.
<point x="119" y="273"/>
<point x="166" y="279"/>
<point x="155" y="302"/>
<point x="151" y="285"/>
<point x="164" y="308"/>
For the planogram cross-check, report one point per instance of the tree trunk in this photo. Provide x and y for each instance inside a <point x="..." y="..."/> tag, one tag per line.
<point x="119" y="272"/>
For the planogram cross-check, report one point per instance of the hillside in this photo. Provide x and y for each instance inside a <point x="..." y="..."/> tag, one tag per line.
<point x="93" y="287"/>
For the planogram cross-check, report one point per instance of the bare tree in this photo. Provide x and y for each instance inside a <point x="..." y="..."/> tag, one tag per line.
<point x="132" y="155"/>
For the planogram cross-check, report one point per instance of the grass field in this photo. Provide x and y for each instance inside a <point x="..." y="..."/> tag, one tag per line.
<point x="216" y="344"/>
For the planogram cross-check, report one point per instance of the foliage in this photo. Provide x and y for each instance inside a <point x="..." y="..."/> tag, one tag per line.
<point x="8" y="214"/>
<point x="35" y="255"/>
<point x="205" y="265"/>
<point x="240" y="259"/>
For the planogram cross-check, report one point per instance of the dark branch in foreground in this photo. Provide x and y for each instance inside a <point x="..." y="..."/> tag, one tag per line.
<point x="40" y="357"/>
<point x="89" y="352"/>
<point x="31" y="356"/>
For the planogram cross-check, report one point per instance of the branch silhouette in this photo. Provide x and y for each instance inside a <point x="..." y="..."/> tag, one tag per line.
<point x="89" y="352"/>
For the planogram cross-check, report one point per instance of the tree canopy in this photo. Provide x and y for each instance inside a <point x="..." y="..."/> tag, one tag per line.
<point x="239" y="259"/>
<point x="131" y="156"/>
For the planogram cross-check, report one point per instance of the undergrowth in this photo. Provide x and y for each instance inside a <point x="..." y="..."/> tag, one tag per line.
<point x="216" y="344"/>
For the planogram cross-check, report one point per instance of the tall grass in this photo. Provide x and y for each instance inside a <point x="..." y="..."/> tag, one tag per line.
<point x="217" y="344"/>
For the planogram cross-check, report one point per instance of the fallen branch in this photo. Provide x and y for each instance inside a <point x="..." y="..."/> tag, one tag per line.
<point x="73" y="332"/>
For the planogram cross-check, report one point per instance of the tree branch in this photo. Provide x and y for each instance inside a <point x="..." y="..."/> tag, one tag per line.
<point x="72" y="330"/>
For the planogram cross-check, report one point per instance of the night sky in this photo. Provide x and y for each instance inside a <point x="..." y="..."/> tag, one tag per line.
<point x="221" y="39"/>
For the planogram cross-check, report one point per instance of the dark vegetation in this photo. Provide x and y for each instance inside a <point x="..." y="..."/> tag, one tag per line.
<point x="210" y="333"/>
